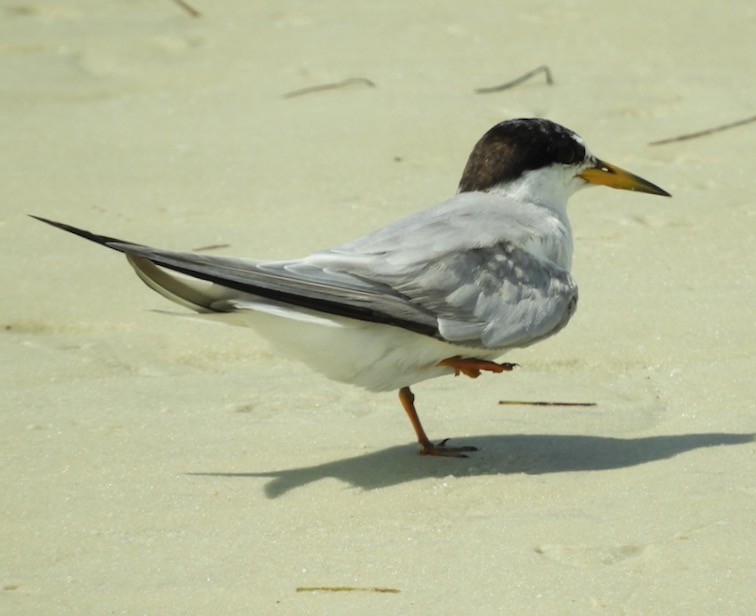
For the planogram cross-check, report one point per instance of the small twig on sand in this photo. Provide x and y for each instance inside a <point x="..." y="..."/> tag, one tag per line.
<point x="703" y="133"/>
<point x="344" y="589"/>
<point x="329" y="86"/>
<point x="210" y="247"/>
<point x="191" y="11"/>
<point x="519" y="80"/>
<point x="542" y="403"/>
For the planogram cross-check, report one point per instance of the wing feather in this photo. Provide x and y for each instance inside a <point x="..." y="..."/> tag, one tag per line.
<point x="458" y="272"/>
<point x="494" y="297"/>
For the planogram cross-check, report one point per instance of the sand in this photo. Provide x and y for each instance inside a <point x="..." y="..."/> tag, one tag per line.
<point x="153" y="465"/>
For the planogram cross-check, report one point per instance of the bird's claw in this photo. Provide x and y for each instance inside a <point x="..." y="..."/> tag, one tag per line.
<point x="472" y="367"/>
<point x="442" y="450"/>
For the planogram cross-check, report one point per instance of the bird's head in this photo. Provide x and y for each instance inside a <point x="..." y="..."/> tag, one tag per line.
<point x="540" y="161"/>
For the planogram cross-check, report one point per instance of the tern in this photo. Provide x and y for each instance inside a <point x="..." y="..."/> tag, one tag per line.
<point x="444" y="291"/>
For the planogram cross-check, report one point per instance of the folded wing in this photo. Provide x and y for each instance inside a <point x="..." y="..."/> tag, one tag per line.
<point x="495" y="296"/>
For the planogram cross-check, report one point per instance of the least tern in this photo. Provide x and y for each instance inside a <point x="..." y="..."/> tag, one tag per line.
<point x="444" y="291"/>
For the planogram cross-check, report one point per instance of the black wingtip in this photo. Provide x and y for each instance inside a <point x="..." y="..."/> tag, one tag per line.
<point x="104" y="240"/>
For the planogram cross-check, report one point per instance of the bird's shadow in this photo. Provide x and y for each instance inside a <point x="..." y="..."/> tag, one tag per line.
<point x="534" y="454"/>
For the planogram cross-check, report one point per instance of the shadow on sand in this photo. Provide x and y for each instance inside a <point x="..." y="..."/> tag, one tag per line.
<point x="533" y="454"/>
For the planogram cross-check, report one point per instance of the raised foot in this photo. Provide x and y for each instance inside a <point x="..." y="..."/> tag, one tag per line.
<point x="446" y="452"/>
<point x="471" y="366"/>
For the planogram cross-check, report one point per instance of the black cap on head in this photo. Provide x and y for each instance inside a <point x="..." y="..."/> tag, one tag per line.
<point x="510" y="148"/>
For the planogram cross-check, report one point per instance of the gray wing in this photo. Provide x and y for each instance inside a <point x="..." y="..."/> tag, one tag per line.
<point x="444" y="272"/>
<point x="222" y="284"/>
<point x="294" y="283"/>
<point x="461" y="260"/>
<point x="493" y="297"/>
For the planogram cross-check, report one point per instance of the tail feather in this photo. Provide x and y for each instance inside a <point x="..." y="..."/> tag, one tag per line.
<point x="191" y="293"/>
<point x="208" y="284"/>
<point x="188" y="292"/>
<point x="103" y="240"/>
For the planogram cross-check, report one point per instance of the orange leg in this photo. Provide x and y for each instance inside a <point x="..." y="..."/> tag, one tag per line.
<point x="471" y="366"/>
<point x="427" y="448"/>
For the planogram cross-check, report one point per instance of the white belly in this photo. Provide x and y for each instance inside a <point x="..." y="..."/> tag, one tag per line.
<point x="370" y="355"/>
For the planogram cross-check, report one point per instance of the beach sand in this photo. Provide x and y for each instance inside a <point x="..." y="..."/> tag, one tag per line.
<point x="155" y="465"/>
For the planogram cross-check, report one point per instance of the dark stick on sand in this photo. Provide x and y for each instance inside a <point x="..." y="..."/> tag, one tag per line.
<point x="330" y="86"/>
<point x="519" y="80"/>
<point x="191" y="11"/>
<point x="543" y="403"/>
<point x="345" y="589"/>
<point x="210" y="247"/>
<point x="703" y="133"/>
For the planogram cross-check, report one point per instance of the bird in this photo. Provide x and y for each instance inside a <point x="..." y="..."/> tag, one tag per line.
<point x="446" y="290"/>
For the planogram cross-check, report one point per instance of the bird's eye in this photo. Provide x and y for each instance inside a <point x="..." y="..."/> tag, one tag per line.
<point x="566" y="153"/>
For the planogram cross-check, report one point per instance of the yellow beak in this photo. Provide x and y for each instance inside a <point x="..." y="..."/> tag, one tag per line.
<point x="614" y="177"/>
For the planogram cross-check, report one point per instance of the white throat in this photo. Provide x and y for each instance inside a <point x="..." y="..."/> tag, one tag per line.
<point x="549" y="187"/>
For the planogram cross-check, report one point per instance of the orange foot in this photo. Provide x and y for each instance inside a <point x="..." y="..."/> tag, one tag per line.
<point x="447" y="452"/>
<point x="426" y="447"/>
<point x="471" y="366"/>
